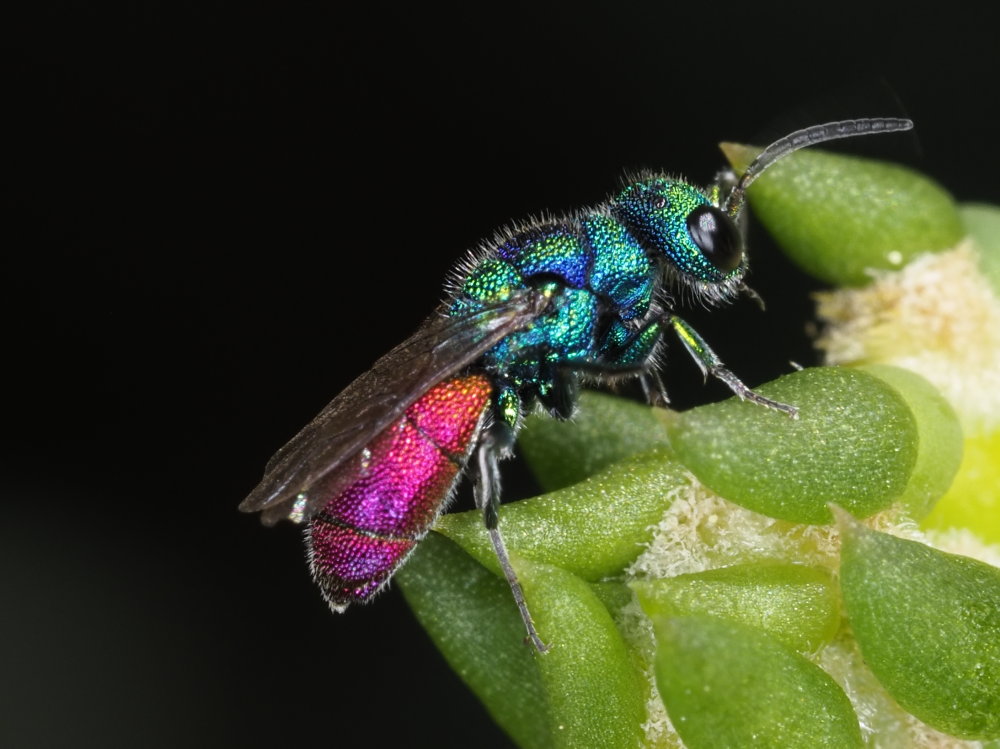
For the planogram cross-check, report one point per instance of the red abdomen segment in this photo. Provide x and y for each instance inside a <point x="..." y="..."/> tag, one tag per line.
<point x="363" y="534"/>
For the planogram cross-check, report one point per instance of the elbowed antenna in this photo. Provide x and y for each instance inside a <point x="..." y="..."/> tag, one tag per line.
<point x="808" y="136"/>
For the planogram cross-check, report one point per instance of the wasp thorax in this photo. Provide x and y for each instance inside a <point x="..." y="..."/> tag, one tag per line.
<point x="676" y="221"/>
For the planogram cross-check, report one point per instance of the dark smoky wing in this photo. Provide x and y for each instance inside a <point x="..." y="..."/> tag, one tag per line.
<point x="326" y="455"/>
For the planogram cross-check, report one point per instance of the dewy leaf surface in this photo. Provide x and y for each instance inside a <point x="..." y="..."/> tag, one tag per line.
<point x="928" y="624"/>
<point x="939" y="443"/>
<point x="470" y="615"/>
<point x="983" y="224"/>
<point x="855" y="443"/>
<point x="729" y="685"/>
<point x="798" y="604"/>
<point x="604" y="429"/>
<point x="595" y="695"/>
<point x="593" y="528"/>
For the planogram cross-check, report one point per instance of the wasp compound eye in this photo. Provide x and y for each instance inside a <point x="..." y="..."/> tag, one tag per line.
<point x="717" y="237"/>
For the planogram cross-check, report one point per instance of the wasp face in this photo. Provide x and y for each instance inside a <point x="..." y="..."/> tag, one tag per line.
<point x="677" y="222"/>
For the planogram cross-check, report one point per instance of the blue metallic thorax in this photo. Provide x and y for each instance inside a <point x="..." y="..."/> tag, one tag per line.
<point x="603" y="269"/>
<point x="599" y="276"/>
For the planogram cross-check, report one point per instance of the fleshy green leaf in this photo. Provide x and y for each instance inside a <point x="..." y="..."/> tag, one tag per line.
<point x="973" y="501"/>
<point x="799" y="605"/>
<point x="855" y="443"/>
<point x="595" y="695"/>
<point x="471" y="616"/>
<point x="939" y="445"/>
<point x="593" y="528"/>
<point x="605" y="429"/>
<point x="983" y="224"/>
<point x="928" y="624"/>
<point x="729" y="685"/>
<point x="614" y="594"/>
<point x="838" y="216"/>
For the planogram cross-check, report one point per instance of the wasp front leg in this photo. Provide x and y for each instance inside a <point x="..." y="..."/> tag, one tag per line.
<point x="710" y="364"/>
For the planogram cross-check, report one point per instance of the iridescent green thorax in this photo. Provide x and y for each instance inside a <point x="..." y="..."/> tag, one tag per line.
<point x="602" y="270"/>
<point x="600" y="280"/>
<point x="621" y="271"/>
<point x="490" y="281"/>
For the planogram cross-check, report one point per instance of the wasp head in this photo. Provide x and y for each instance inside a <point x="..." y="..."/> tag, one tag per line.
<point x="677" y="223"/>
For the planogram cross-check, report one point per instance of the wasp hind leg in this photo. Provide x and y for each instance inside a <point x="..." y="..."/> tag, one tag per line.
<point x="487" y="493"/>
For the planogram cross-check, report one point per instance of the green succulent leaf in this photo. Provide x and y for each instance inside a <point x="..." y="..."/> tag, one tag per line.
<point x="928" y="625"/>
<point x="939" y="439"/>
<point x="983" y="224"/>
<point x="973" y="501"/>
<point x="594" y="528"/>
<point x="797" y="604"/>
<point x="596" y="697"/>
<point x="855" y="443"/>
<point x="726" y="684"/>
<point x="614" y="594"/>
<point x="605" y="429"/>
<point x="470" y="615"/>
<point x="839" y="216"/>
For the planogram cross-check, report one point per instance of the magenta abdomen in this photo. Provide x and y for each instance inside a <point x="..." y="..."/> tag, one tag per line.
<point x="351" y="565"/>
<point x="364" y="533"/>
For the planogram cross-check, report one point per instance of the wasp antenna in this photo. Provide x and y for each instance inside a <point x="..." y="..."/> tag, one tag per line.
<point x="808" y="136"/>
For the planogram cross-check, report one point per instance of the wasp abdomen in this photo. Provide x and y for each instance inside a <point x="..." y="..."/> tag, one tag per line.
<point x="364" y="533"/>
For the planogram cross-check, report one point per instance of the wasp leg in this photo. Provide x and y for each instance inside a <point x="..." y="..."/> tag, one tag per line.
<point x="487" y="488"/>
<point x="564" y="390"/>
<point x="632" y="350"/>
<point x="710" y="364"/>
<point x="487" y="493"/>
<point x="653" y="389"/>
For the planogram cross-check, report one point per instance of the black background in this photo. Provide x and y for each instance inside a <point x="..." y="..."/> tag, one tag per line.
<point x="217" y="216"/>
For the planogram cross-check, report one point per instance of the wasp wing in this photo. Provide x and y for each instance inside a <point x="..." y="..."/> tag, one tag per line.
<point x="327" y="454"/>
